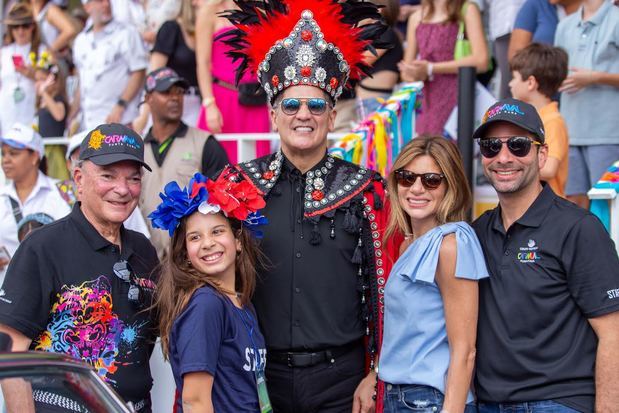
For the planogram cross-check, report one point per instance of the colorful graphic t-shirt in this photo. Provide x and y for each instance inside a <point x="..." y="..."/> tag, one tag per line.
<point x="61" y="291"/>
<point x="212" y="335"/>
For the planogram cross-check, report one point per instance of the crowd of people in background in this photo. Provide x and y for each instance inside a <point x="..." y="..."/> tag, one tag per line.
<point x="106" y="73"/>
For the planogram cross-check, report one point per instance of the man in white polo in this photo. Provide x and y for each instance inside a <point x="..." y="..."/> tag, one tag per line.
<point x="111" y="61"/>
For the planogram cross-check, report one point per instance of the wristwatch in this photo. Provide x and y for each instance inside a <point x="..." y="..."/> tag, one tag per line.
<point x="207" y="101"/>
<point x="122" y="103"/>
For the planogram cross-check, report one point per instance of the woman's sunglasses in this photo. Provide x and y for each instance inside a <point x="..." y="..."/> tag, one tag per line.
<point x="519" y="146"/>
<point x="317" y="106"/>
<point x="429" y="180"/>
<point x="21" y="26"/>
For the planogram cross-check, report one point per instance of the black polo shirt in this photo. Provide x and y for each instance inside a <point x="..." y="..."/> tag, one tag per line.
<point x="552" y="270"/>
<point x="307" y="297"/>
<point x="214" y="156"/>
<point x="60" y="291"/>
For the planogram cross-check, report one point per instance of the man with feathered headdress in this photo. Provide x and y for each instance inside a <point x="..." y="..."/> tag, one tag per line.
<point x="320" y="299"/>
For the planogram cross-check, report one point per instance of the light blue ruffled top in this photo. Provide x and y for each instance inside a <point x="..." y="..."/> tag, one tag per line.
<point x="415" y="348"/>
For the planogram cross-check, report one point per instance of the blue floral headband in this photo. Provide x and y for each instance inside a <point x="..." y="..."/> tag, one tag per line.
<point x="230" y="193"/>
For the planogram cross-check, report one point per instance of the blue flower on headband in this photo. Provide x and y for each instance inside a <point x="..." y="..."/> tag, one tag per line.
<point x="253" y="222"/>
<point x="178" y="203"/>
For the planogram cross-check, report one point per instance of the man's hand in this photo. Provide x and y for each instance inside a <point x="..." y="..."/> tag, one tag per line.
<point x="115" y="115"/>
<point x="577" y="80"/>
<point x="363" y="399"/>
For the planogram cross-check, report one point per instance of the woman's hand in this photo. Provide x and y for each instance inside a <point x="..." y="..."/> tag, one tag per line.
<point x="214" y="120"/>
<point x="416" y="70"/>
<point x="25" y="71"/>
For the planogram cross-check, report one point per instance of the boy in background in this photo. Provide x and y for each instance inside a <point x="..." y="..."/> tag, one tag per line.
<point x="537" y="73"/>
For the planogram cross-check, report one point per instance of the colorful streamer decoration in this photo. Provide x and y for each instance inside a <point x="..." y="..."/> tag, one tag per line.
<point x="377" y="140"/>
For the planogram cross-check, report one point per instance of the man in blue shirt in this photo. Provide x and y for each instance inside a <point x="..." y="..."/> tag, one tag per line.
<point x="537" y="22"/>
<point x="590" y="93"/>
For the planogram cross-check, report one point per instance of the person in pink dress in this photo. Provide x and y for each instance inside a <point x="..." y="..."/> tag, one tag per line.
<point x="429" y="57"/>
<point x="221" y="111"/>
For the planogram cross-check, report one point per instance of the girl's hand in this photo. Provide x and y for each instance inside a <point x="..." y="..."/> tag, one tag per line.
<point x="214" y="120"/>
<point x="43" y="86"/>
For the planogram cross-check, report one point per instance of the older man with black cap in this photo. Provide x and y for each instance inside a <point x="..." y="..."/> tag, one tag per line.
<point x="78" y="286"/>
<point x="175" y="150"/>
<point x="548" y="332"/>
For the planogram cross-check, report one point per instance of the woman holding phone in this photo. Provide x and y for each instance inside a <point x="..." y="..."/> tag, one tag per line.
<point x="17" y="90"/>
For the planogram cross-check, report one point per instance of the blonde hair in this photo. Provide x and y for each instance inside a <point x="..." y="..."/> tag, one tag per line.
<point x="457" y="201"/>
<point x="187" y="17"/>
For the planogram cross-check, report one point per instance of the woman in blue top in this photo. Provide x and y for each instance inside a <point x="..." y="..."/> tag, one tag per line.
<point x="208" y="327"/>
<point x="431" y="297"/>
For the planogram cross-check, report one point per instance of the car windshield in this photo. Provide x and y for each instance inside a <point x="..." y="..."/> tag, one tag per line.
<point x="50" y="389"/>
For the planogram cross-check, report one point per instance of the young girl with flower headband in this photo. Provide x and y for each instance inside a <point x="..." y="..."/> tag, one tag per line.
<point x="209" y="331"/>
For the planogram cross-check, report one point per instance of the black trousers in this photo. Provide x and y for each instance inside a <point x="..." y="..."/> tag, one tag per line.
<point x="327" y="387"/>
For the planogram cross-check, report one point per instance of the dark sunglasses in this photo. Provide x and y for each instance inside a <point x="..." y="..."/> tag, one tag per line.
<point x="21" y="26"/>
<point x="519" y="146"/>
<point x="123" y="270"/>
<point x="317" y="106"/>
<point x="429" y="180"/>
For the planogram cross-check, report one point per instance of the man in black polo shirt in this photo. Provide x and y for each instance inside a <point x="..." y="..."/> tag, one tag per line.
<point x="548" y="333"/>
<point x="78" y="286"/>
<point x="174" y="150"/>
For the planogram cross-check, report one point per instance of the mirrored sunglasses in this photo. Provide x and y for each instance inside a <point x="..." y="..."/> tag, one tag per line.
<point x="316" y="106"/>
<point x="519" y="146"/>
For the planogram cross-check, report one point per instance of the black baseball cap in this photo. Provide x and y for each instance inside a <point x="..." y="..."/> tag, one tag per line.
<point x="112" y="142"/>
<point x="162" y="79"/>
<point x="516" y="112"/>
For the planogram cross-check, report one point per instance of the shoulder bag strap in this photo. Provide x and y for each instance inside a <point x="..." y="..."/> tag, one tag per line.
<point x="16" y="210"/>
<point x="461" y="34"/>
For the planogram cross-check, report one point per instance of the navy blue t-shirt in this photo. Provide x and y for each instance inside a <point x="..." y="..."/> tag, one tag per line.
<point x="539" y="18"/>
<point x="212" y="335"/>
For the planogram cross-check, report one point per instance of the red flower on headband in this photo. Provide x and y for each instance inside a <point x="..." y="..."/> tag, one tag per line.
<point x="236" y="199"/>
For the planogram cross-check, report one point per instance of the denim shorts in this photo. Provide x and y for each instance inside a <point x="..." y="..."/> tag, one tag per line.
<point x="544" y="406"/>
<point x="400" y="398"/>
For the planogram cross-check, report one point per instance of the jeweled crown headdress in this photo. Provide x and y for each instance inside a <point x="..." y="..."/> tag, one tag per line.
<point x="311" y="42"/>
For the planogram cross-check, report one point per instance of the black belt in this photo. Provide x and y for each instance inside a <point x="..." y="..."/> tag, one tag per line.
<point x="310" y="358"/>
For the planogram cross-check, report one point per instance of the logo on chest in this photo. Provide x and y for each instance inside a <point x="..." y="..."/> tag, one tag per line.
<point x="529" y="253"/>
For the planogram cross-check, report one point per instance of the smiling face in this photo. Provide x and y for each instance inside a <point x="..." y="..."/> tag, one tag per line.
<point x="212" y="246"/>
<point x="508" y="173"/>
<point x="110" y="193"/>
<point x="303" y="132"/>
<point x="419" y="203"/>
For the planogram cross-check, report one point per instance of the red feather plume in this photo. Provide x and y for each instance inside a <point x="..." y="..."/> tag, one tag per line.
<point x="278" y="26"/>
